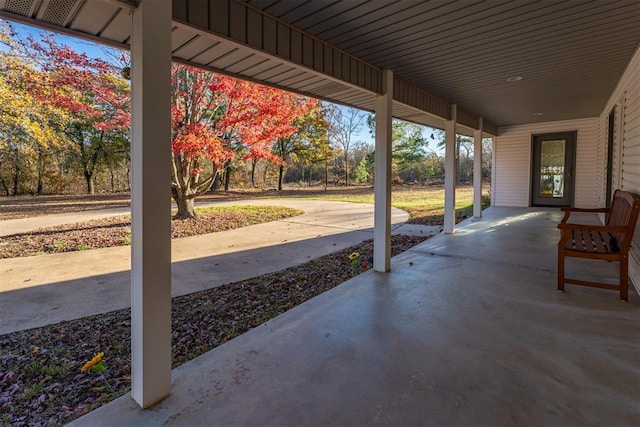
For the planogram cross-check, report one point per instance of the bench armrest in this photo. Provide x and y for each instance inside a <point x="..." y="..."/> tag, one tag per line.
<point x="566" y="208"/>
<point x="568" y="211"/>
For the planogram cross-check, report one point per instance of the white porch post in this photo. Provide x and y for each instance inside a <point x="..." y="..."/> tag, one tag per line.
<point x="382" y="179"/>
<point x="450" y="172"/>
<point x="150" y="208"/>
<point x="477" y="171"/>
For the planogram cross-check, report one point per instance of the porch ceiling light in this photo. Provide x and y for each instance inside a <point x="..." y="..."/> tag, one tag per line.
<point x="538" y="114"/>
<point x="514" y="79"/>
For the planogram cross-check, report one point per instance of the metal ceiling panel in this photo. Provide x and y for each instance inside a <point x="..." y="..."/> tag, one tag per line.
<point x="119" y="28"/>
<point x="316" y="22"/>
<point x="213" y="52"/>
<point x="260" y="68"/>
<point x="412" y="18"/>
<point x="194" y="47"/>
<point x="292" y="78"/>
<point x="328" y="89"/>
<point x="246" y="63"/>
<point x="309" y="84"/>
<point x="570" y="53"/>
<point x="86" y="22"/>
<point x="180" y="36"/>
<point x="232" y="58"/>
<point x="283" y="79"/>
<point x="464" y="52"/>
<point x="58" y="12"/>
<point x="20" y="7"/>
<point x="272" y="72"/>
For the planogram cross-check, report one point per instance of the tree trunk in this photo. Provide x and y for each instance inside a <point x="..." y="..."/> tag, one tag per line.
<point x="4" y="186"/>
<point x="186" y="206"/>
<point x="227" y="177"/>
<point x="280" y="175"/>
<point x="346" y="170"/>
<point x="90" y="187"/>
<point x="326" y="175"/>
<point x="41" y="164"/>
<point x="113" y="180"/>
<point x="264" y="175"/>
<point x="254" y="163"/>
<point x="128" y="173"/>
<point x="16" y="179"/>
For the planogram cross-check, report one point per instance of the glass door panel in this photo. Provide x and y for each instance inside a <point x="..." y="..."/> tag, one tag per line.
<point x="553" y="160"/>
<point x="552" y="168"/>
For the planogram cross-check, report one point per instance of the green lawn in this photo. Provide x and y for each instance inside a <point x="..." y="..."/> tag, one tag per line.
<point x="425" y="205"/>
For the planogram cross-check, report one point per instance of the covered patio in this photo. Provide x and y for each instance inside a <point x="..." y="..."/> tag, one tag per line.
<point x="466" y="329"/>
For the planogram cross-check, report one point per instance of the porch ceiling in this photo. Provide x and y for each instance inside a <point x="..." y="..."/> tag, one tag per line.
<point x="570" y="54"/>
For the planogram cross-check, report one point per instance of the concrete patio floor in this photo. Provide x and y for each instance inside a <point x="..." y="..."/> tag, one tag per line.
<point x="467" y="329"/>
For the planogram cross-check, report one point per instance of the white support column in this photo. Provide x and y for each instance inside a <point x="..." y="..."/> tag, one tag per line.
<point x="493" y="169"/>
<point x="477" y="171"/>
<point x="150" y="207"/>
<point x="450" y="172"/>
<point x="382" y="181"/>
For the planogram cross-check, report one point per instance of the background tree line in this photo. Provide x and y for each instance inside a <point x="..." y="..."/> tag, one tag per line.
<point x="64" y="128"/>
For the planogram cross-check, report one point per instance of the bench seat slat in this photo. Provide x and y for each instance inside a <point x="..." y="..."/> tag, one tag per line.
<point x="591" y="241"/>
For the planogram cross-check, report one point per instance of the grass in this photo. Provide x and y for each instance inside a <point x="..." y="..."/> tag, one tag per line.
<point x="425" y="205"/>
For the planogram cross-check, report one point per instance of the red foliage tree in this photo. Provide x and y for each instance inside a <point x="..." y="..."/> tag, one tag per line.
<point x="214" y="118"/>
<point x="219" y="118"/>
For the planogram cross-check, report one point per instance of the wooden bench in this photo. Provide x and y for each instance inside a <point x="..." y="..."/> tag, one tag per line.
<point x="609" y="242"/>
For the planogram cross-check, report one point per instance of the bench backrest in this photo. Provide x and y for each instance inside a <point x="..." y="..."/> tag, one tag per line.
<point x="624" y="212"/>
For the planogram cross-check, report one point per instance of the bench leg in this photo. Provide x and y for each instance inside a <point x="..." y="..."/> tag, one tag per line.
<point x="624" y="278"/>
<point x="560" y="270"/>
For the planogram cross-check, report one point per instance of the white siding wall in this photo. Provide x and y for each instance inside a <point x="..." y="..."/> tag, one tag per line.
<point x="631" y="138"/>
<point x="601" y="177"/>
<point x="512" y="173"/>
<point x="627" y="94"/>
<point x="512" y="155"/>
<point x="511" y="170"/>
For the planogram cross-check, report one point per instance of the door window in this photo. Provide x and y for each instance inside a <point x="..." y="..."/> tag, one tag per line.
<point x="553" y="161"/>
<point x="552" y="168"/>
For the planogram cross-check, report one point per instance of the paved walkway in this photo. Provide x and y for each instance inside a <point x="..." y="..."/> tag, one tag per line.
<point x="46" y="289"/>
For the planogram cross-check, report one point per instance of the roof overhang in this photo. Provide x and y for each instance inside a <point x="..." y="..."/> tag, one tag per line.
<point x="569" y="55"/>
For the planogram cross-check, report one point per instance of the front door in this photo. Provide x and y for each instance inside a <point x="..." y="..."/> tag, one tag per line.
<point x="552" y="176"/>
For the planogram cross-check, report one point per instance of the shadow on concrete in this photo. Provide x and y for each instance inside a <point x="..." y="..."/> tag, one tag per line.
<point x="466" y="329"/>
<point x="34" y="306"/>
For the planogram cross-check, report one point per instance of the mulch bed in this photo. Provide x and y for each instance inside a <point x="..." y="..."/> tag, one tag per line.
<point x="116" y="231"/>
<point x="40" y="378"/>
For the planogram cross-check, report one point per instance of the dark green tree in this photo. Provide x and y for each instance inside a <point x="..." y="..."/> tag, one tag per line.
<point x="409" y="147"/>
<point x="308" y="145"/>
